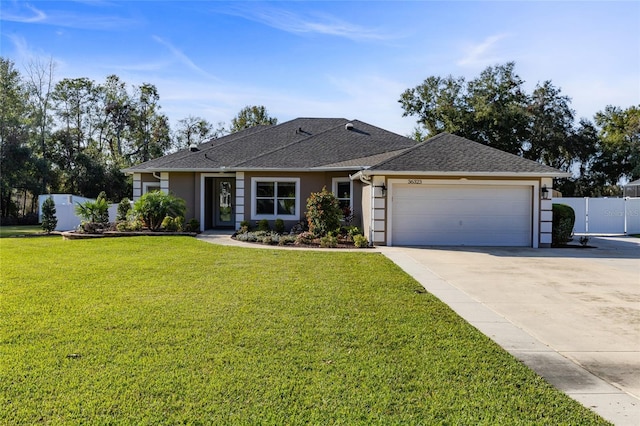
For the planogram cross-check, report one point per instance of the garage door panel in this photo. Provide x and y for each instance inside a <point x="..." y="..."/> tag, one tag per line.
<point x="482" y="215"/>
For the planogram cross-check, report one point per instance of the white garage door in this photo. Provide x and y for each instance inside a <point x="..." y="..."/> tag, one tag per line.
<point x="461" y="215"/>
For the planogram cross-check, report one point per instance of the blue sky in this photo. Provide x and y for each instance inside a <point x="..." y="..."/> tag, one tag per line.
<point x="330" y="58"/>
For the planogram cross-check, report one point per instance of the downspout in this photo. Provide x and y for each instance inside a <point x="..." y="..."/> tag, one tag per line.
<point x="157" y="175"/>
<point x="366" y="181"/>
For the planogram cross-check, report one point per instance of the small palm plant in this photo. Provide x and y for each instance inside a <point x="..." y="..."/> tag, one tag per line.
<point x="93" y="211"/>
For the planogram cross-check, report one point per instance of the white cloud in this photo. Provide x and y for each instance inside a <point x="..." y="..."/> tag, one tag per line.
<point x="319" y="24"/>
<point x="184" y="59"/>
<point x="27" y="15"/>
<point x="482" y="54"/>
<point x="22" y="12"/>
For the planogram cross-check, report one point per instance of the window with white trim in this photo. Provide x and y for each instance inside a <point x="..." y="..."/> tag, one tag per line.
<point x="274" y="198"/>
<point x="150" y="187"/>
<point x="342" y="189"/>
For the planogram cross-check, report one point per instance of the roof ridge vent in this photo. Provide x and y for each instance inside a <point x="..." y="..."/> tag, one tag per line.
<point x="348" y="126"/>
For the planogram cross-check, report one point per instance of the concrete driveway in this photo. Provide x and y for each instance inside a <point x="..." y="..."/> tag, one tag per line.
<point x="571" y="314"/>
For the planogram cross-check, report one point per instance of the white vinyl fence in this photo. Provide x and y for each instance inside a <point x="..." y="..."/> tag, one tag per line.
<point x="65" y="210"/>
<point x="604" y="215"/>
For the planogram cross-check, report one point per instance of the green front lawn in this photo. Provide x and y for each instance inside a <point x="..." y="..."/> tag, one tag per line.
<point x="155" y="330"/>
<point x="20" y="231"/>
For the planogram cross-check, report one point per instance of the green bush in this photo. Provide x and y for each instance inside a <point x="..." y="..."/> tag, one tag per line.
<point x="94" y="211"/>
<point x="173" y="224"/>
<point x="154" y="206"/>
<point x="323" y="212"/>
<point x="564" y="219"/>
<point x="360" y="241"/>
<point x="329" y="241"/>
<point x="103" y="216"/>
<point x="49" y="219"/>
<point x="278" y="226"/>
<point x="193" y="225"/>
<point x="245" y="224"/>
<point x="123" y="209"/>
<point x="263" y="225"/>
<point x="305" y="237"/>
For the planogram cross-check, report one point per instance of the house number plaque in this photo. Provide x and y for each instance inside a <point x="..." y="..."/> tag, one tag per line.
<point x="414" y="181"/>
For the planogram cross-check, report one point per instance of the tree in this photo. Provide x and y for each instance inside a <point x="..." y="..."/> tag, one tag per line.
<point x="250" y="116"/>
<point x="74" y="99"/>
<point x="551" y="123"/>
<point x="150" y="129"/>
<point x="192" y="130"/>
<point x="495" y="110"/>
<point x="49" y="219"/>
<point x="118" y="115"/>
<point x="40" y="87"/>
<point x="620" y="137"/>
<point x="17" y="162"/>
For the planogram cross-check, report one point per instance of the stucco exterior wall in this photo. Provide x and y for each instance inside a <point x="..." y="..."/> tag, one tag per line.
<point x="182" y="185"/>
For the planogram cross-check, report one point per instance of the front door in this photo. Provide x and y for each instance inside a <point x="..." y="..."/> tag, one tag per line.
<point x="223" y="203"/>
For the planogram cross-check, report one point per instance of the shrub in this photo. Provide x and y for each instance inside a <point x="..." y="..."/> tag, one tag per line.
<point x="172" y="224"/>
<point x="564" y="219"/>
<point x="103" y="214"/>
<point x="154" y="206"/>
<point x="123" y="226"/>
<point x="329" y="241"/>
<point x="49" y="219"/>
<point x="351" y="231"/>
<point x="305" y="238"/>
<point x="263" y="225"/>
<point x="193" y="225"/>
<point x="94" y="211"/>
<point x="279" y="226"/>
<point x="245" y="224"/>
<point x="123" y="209"/>
<point x="360" y="241"/>
<point x="286" y="239"/>
<point x="323" y="212"/>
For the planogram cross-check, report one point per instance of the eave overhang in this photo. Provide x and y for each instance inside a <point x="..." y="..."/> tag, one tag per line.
<point x="369" y="173"/>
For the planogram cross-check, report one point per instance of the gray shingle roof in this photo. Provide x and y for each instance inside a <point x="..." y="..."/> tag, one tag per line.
<point x="326" y="143"/>
<point x="447" y="153"/>
<point x="302" y="143"/>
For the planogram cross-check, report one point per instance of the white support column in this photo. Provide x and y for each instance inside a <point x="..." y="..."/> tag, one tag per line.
<point x="137" y="186"/>
<point x="239" y="204"/>
<point x="164" y="182"/>
<point x="546" y="215"/>
<point x="378" y="211"/>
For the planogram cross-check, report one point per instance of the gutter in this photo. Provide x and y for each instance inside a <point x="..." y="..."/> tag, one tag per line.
<point x="367" y="173"/>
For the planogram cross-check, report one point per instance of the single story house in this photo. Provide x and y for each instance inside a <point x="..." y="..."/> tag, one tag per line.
<point x="447" y="190"/>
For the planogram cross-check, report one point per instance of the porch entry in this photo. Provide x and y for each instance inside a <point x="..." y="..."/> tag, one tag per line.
<point x="219" y="198"/>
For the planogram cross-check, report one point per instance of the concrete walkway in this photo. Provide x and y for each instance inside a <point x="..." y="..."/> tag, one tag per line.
<point x="571" y="315"/>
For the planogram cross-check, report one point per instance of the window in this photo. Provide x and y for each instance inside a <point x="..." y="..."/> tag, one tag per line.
<point x="342" y="189"/>
<point x="150" y="186"/>
<point x="275" y="198"/>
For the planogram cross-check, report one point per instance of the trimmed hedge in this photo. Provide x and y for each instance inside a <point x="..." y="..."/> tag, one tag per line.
<point x="564" y="218"/>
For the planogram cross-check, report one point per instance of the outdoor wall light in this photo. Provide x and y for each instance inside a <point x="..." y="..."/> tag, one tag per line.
<point x="545" y="193"/>
<point x="381" y="190"/>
